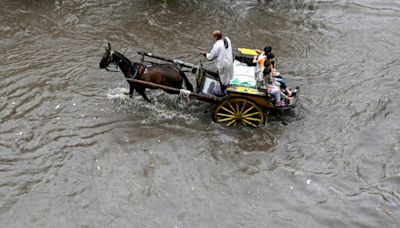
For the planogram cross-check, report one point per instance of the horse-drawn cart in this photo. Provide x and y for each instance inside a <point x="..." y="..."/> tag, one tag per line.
<point x="241" y="104"/>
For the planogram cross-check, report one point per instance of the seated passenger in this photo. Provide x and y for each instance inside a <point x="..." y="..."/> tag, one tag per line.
<point x="267" y="49"/>
<point x="270" y="57"/>
<point x="259" y="61"/>
<point x="279" y="81"/>
<point x="276" y="92"/>
<point x="275" y="88"/>
<point x="276" y="78"/>
<point x="267" y="75"/>
<point x="269" y="62"/>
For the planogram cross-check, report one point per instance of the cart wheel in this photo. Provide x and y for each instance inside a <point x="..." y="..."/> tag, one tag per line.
<point x="232" y="111"/>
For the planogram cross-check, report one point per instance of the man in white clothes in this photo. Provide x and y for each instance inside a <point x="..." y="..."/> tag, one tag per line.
<point x="222" y="54"/>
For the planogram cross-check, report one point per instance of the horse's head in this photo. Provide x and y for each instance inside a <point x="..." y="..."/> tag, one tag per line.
<point x="107" y="57"/>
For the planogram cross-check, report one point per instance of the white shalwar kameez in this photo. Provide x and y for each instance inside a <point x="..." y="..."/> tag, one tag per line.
<point x="224" y="60"/>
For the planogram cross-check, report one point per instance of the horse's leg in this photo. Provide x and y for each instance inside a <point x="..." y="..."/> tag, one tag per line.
<point x="131" y="89"/>
<point x="141" y="91"/>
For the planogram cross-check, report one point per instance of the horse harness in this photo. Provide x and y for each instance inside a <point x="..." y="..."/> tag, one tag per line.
<point x="137" y="69"/>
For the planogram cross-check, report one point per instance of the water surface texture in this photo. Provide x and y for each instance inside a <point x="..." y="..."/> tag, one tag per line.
<point x="76" y="152"/>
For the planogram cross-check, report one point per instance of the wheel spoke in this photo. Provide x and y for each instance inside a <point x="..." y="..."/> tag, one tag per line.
<point x="226" y="115"/>
<point x="244" y="105"/>
<point x="233" y="121"/>
<point x="251" y="107"/>
<point x="232" y="108"/>
<point x="249" y="123"/>
<point x="253" y="119"/>
<point x="226" y="119"/>
<point x="237" y="109"/>
<point x="227" y="110"/>
<point x="251" y="114"/>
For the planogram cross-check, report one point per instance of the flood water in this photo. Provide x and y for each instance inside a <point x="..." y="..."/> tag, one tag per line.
<point x="76" y="152"/>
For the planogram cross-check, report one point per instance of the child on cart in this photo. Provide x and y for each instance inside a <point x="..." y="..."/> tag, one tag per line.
<point x="276" y="78"/>
<point x="259" y="60"/>
<point x="276" y="89"/>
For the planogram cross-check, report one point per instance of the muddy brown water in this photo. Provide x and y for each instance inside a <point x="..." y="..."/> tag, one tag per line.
<point x="76" y="152"/>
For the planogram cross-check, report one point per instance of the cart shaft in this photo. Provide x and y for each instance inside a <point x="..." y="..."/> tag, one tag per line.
<point x="197" y="96"/>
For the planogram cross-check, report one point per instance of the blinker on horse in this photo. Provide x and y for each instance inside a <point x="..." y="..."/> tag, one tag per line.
<point x="163" y="74"/>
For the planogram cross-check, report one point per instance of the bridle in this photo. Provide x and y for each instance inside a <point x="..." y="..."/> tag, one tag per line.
<point x="109" y="61"/>
<point x="138" y="70"/>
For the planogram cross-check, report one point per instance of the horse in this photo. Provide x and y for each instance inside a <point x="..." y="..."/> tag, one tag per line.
<point x="162" y="74"/>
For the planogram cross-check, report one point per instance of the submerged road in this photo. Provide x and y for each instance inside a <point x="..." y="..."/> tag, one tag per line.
<point x="76" y="152"/>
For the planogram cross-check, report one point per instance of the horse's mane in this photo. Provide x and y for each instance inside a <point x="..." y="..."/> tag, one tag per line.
<point x="123" y="58"/>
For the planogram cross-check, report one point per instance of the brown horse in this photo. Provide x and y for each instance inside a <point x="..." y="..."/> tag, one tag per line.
<point x="163" y="74"/>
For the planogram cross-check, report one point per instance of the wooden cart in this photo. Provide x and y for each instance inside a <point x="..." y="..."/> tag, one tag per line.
<point x="239" y="106"/>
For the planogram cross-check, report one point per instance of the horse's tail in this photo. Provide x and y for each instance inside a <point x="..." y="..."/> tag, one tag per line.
<point x="187" y="83"/>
